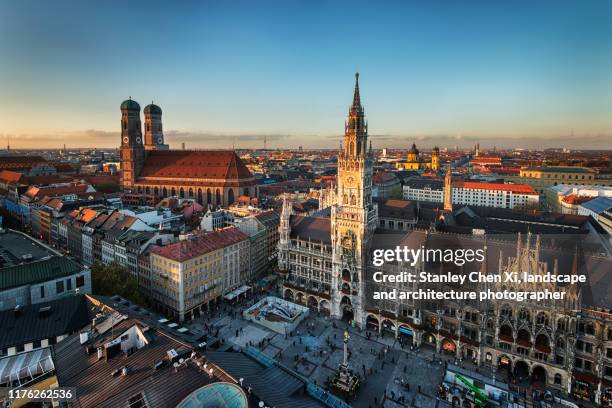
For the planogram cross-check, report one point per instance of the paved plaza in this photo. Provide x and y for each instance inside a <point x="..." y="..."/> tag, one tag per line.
<point x="392" y="377"/>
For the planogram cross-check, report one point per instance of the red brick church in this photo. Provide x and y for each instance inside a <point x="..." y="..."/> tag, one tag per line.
<point x="148" y="166"/>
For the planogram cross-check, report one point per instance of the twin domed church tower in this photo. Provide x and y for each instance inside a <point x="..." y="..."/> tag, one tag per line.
<point x="133" y="147"/>
<point x="148" y="167"/>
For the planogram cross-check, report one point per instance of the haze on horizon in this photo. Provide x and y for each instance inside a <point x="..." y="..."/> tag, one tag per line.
<point x="502" y="74"/>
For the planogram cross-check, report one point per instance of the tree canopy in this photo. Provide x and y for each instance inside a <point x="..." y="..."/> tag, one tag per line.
<point x="115" y="279"/>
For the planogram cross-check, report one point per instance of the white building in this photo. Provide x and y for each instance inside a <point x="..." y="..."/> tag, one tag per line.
<point x="567" y="199"/>
<point x="497" y="195"/>
<point x="494" y="195"/>
<point x="214" y="220"/>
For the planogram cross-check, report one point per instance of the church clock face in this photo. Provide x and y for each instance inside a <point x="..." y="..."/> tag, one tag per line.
<point x="137" y="140"/>
<point x="159" y="140"/>
<point x="126" y="140"/>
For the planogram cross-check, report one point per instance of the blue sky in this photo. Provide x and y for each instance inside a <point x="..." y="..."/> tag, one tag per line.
<point x="523" y="73"/>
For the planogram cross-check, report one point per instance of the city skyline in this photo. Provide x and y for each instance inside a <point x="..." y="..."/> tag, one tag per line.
<point x="533" y="76"/>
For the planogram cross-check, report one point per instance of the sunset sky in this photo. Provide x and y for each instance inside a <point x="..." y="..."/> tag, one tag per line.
<point x="532" y="74"/>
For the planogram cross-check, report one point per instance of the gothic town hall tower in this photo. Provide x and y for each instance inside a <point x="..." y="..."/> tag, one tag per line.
<point x="353" y="217"/>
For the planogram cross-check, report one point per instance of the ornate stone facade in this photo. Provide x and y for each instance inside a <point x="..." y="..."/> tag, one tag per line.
<point x="566" y="345"/>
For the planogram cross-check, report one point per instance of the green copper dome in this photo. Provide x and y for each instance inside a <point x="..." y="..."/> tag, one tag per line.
<point x="152" y="108"/>
<point x="413" y="149"/>
<point x="130" y="104"/>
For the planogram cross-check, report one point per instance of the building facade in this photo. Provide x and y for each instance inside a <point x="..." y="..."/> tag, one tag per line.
<point x="542" y="177"/>
<point x="564" y="344"/>
<point x="414" y="161"/>
<point x="213" y="178"/>
<point x="188" y="275"/>
<point x="497" y="195"/>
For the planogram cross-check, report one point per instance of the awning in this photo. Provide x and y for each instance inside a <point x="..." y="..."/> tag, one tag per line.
<point x="236" y="292"/>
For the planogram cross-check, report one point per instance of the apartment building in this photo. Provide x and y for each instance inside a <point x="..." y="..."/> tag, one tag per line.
<point x="188" y="275"/>
<point x="497" y="195"/>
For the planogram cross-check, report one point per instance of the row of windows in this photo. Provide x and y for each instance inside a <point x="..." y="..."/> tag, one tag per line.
<point x="64" y="285"/>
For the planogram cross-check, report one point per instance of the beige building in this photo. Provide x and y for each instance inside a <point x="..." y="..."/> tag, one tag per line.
<point x="542" y="177"/>
<point x="190" y="274"/>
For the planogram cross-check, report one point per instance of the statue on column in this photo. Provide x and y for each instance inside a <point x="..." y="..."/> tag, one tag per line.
<point x="345" y="383"/>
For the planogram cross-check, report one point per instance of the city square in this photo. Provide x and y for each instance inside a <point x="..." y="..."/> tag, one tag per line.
<point x="304" y="204"/>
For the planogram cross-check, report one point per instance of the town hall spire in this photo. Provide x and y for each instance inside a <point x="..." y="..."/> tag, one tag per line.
<point x="356" y="98"/>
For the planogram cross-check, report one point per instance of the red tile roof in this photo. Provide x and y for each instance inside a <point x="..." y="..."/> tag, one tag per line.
<point x="20" y="162"/>
<point x="7" y="176"/>
<point x="576" y="199"/>
<point x="195" y="164"/>
<point x="201" y="243"/>
<point x="34" y="193"/>
<point x="267" y="216"/>
<point x="515" y="188"/>
<point x="486" y="160"/>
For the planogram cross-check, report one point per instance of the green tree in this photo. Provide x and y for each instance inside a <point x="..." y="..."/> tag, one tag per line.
<point x="115" y="279"/>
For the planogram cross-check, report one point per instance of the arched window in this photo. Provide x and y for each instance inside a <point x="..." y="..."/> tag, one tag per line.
<point x="147" y="191"/>
<point x="156" y="191"/>
<point x="218" y="197"/>
<point x="345" y="199"/>
<point x="542" y="318"/>
<point x="353" y="200"/>
<point x="208" y="196"/>
<point x="173" y="191"/>
<point x="200" y="195"/>
<point x="191" y="193"/>
<point x="165" y="192"/>
<point x="182" y="192"/>
<point x="230" y="196"/>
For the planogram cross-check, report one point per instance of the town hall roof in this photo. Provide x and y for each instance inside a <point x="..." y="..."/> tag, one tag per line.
<point x="314" y="228"/>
